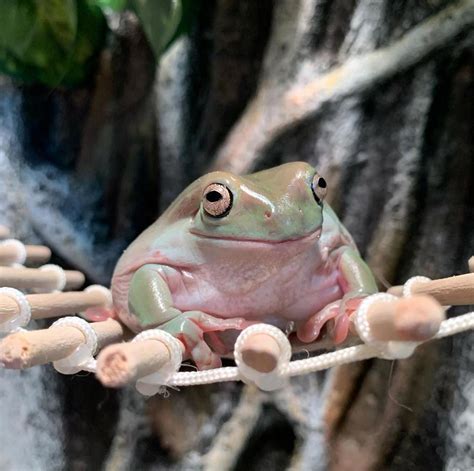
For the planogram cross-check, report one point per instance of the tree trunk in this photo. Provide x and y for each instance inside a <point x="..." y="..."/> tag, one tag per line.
<point x="378" y="95"/>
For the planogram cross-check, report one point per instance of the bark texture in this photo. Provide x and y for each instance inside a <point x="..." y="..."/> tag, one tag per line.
<point x="378" y="95"/>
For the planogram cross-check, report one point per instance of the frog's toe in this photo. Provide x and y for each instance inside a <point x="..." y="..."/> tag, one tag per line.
<point x="97" y="314"/>
<point x="204" y="357"/>
<point x="208" y="323"/>
<point x="340" y="330"/>
<point x="311" y="329"/>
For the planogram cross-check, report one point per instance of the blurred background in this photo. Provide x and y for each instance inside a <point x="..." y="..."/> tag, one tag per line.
<point x="109" y="108"/>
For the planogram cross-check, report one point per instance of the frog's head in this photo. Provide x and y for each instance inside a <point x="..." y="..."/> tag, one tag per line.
<point x="279" y="204"/>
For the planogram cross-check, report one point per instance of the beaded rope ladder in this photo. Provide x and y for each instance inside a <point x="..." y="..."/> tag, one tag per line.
<point x="152" y="358"/>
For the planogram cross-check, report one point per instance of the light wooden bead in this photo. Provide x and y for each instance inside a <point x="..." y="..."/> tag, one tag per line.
<point x="121" y="364"/>
<point x="416" y="319"/>
<point x="261" y="352"/>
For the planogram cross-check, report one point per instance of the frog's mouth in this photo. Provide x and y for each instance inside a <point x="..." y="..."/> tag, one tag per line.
<point x="311" y="236"/>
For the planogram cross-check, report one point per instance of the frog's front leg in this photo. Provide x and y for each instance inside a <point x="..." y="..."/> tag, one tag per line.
<point x="356" y="282"/>
<point x="151" y="304"/>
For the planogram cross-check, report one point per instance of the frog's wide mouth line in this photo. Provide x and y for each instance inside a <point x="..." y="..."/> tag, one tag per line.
<point x="307" y="237"/>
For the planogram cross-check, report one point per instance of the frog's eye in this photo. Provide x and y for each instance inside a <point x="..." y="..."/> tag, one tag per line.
<point x="217" y="200"/>
<point x="319" y="187"/>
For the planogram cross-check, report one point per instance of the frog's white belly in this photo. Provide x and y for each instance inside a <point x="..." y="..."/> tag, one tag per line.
<point x="265" y="286"/>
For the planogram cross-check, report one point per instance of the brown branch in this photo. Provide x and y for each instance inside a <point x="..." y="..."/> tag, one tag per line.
<point x="270" y="113"/>
<point x="230" y="441"/>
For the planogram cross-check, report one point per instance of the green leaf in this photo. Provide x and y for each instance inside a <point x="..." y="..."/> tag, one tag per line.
<point x="159" y="19"/>
<point x="190" y="9"/>
<point x="116" y="5"/>
<point x="53" y="42"/>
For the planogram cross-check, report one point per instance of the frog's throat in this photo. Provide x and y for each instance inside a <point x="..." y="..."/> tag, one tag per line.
<point x="304" y="238"/>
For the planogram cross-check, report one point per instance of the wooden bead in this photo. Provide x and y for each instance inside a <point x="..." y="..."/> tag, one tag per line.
<point x="416" y="319"/>
<point x="121" y="364"/>
<point x="261" y="352"/>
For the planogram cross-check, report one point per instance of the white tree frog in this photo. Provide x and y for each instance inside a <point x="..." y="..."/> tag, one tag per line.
<point x="235" y="250"/>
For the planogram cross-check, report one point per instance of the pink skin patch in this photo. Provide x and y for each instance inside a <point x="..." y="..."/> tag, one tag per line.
<point x="216" y="344"/>
<point x="98" y="314"/>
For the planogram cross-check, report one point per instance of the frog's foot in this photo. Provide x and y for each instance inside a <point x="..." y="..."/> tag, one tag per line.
<point x="335" y="316"/>
<point x="190" y="328"/>
<point x="311" y="329"/>
<point x="97" y="314"/>
<point x="339" y="329"/>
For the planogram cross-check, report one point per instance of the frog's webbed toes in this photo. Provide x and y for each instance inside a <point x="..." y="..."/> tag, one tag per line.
<point x="188" y="328"/>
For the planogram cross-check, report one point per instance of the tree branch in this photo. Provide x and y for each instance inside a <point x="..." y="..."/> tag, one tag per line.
<point x="270" y="113"/>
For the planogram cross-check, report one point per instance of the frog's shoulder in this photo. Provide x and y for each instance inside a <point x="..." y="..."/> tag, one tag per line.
<point x="333" y="231"/>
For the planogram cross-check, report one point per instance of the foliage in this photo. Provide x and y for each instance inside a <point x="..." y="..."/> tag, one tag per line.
<point x="117" y="5"/>
<point x="159" y="21"/>
<point x="162" y="20"/>
<point x="50" y="41"/>
<point x="54" y="42"/>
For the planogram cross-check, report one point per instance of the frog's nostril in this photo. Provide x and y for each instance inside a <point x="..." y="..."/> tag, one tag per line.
<point x="268" y="214"/>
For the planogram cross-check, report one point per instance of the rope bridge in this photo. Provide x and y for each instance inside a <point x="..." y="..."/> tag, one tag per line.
<point x="152" y="359"/>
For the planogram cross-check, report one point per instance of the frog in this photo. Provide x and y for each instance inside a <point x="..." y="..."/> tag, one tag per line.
<point x="232" y="251"/>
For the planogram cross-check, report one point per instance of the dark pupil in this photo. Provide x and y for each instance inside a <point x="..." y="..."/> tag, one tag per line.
<point x="213" y="196"/>
<point x="322" y="183"/>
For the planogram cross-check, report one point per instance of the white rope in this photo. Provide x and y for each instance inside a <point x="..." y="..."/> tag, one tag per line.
<point x="156" y="382"/>
<point x="456" y="325"/>
<point x="195" y="378"/>
<point x="371" y="348"/>
<point x="169" y="375"/>
<point x="408" y="286"/>
<point x="83" y="357"/>
<point x="61" y="279"/>
<point x="317" y="363"/>
<point x="23" y="317"/>
<point x="19" y="249"/>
